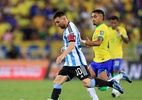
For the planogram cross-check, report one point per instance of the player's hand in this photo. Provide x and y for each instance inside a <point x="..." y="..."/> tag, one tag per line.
<point x="117" y="29"/>
<point x="87" y="46"/>
<point x="59" y="59"/>
<point x="87" y="39"/>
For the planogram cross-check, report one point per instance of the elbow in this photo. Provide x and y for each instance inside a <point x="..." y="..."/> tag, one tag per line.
<point x="98" y="44"/>
<point x="127" y="41"/>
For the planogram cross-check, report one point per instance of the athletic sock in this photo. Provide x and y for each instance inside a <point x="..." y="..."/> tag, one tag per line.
<point x="56" y="91"/>
<point x="101" y="83"/>
<point x="92" y="93"/>
<point x="55" y="94"/>
<point x="117" y="77"/>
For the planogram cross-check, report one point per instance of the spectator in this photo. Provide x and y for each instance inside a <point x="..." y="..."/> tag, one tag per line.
<point x="13" y="53"/>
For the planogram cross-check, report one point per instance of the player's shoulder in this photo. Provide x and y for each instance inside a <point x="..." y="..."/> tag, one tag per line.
<point x="121" y="28"/>
<point x="71" y="24"/>
<point x="103" y="27"/>
<point x="109" y="27"/>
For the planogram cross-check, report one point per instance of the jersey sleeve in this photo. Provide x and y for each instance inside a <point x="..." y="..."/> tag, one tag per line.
<point x="101" y="34"/>
<point x="71" y="38"/>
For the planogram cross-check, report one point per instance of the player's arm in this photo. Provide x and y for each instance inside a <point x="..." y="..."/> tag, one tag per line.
<point x="94" y="43"/>
<point x="124" y="38"/>
<point x="69" y="48"/>
<point x="97" y="42"/>
<point x="71" y="39"/>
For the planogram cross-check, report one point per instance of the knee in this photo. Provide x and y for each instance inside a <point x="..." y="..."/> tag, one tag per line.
<point x="86" y="84"/>
<point x="89" y="83"/>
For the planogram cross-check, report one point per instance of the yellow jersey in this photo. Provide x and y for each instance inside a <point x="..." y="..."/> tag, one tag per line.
<point x="115" y="42"/>
<point x="101" y="52"/>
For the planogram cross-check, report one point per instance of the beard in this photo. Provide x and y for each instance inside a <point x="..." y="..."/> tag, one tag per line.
<point x="94" y="23"/>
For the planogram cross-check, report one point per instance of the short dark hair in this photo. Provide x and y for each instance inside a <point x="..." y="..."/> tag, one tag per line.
<point x="58" y="14"/>
<point x="99" y="12"/>
<point x="114" y="18"/>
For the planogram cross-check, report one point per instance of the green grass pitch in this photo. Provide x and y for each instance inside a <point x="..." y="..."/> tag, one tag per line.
<point x="73" y="90"/>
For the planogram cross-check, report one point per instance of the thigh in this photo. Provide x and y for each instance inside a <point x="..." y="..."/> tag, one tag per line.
<point x="117" y="64"/>
<point x="103" y="75"/>
<point x="82" y="72"/>
<point x="93" y="69"/>
<point x="104" y="69"/>
<point x="93" y="74"/>
<point x="86" y="82"/>
<point x="67" y="72"/>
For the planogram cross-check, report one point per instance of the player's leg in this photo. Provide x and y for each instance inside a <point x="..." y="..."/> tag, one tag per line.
<point x="121" y="74"/>
<point x="104" y="70"/>
<point x="57" y="87"/>
<point x="62" y="77"/>
<point x="83" y="74"/>
<point x="87" y="82"/>
<point x="116" y="63"/>
<point x="92" y="91"/>
<point x="116" y="76"/>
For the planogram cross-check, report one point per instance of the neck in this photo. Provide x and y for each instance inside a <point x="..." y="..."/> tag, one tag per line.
<point x="66" y="23"/>
<point x="99" y="24"/>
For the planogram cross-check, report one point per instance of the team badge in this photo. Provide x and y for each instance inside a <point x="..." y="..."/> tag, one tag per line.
<point x="101" y="32"/>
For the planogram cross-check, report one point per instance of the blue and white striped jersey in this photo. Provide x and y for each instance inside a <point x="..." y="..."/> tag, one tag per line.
<point x="75" y="57"/>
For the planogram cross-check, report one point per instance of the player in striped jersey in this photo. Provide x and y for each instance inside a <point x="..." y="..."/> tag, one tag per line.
<point x="75" y="62"/>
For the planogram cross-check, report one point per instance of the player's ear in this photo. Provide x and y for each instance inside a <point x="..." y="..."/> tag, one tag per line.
<point x="63" y="17"/>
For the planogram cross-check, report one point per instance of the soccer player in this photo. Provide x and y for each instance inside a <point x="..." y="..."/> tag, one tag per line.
<point x="118" y="36"/>
<point x="75" y="62"/>
<point x="102" y="64"/>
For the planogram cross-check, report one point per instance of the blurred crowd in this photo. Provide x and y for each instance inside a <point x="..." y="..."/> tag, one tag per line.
<point x="28" y="20"/>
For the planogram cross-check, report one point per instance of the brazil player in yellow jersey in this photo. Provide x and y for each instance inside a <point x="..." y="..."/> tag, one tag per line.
<point x="102" y="64"/>
<point x="102" y="59"/>
<point x="118" y="36"/>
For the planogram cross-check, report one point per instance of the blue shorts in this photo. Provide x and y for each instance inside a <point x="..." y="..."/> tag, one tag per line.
<point x="116" y="63"/>
<point x="100" y="67"/>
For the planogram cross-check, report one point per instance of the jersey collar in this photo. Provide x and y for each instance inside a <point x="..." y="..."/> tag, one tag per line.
<point x="100" y="24"/>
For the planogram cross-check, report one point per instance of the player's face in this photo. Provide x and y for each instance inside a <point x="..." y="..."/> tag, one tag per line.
<point x="60" y="22"/>
<point x="97" y="18"/>
<point x="114" y="23"/>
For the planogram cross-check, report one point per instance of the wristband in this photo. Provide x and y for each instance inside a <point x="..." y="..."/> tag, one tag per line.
<point x="83" y="41"/>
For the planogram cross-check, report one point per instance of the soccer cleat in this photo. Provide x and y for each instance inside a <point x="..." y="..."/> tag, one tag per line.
<point x="125" y="76"/>
<point x="117" y="87"/>
<point x="49" y="99"/>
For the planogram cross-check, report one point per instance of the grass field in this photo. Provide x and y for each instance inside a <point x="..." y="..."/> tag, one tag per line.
<point x="74" y="90"/>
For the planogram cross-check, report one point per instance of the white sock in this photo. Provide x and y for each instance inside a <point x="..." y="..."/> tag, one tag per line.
<point x="92" y="93"/>
<point x="117" y="77"/>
